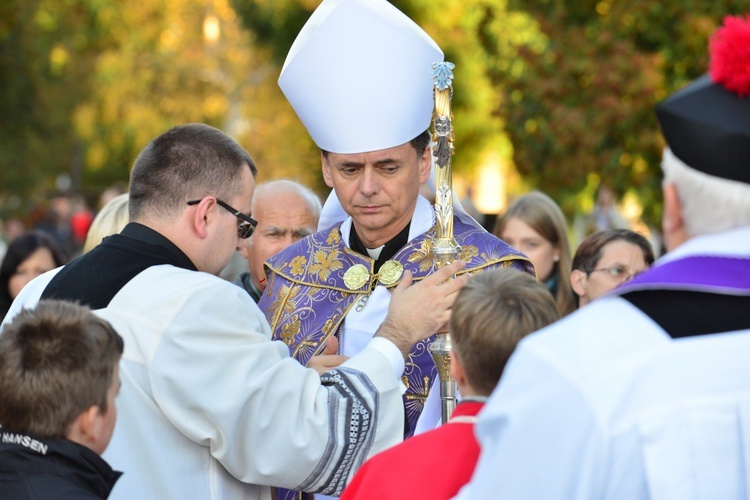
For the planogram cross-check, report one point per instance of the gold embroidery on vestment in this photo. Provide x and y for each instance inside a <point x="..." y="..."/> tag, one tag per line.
<point x="325" y="263"/>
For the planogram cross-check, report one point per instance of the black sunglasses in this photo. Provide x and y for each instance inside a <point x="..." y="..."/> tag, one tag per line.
<point x="247" y="224"/>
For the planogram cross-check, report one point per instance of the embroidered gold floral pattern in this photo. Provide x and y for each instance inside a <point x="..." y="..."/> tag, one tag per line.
<point x="289" y="292"/>
<point x="334" y="237"/>
<point x="325" y="263"/>
<point x="468" y="252"/>
<point x="298" y="264"/>
<point x="284" y="298"/>
<point x="289" y="330"/>
<point x="423" y="255"/>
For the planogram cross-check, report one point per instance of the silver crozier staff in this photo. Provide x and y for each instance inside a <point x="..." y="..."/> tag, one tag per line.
<point x="444" y="248"/>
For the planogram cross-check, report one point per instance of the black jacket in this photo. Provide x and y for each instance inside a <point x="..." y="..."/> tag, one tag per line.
<point x="51" y="468"/>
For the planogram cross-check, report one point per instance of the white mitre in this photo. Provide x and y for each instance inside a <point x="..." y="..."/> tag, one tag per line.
<point x="359" y="76"/>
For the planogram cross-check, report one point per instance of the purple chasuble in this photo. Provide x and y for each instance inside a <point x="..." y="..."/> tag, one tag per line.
<point x="306" y="298"/>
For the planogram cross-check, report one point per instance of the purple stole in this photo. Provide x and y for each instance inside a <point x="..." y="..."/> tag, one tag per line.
<point x="723" y="275"/>
<point x="306" y="299"/>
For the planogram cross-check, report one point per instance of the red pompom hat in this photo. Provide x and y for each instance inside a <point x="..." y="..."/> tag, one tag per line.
<point x="707" y="123"/>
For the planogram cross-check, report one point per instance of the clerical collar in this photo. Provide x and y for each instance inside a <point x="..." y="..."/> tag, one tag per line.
<point x="386" y="251"/>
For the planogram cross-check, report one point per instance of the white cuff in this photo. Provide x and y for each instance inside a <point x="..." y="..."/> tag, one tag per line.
<point x="392" y="354"/>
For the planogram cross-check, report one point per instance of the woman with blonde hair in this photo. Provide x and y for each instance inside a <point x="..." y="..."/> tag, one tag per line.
<point x="111" y="219"/>
<point x="535" y="225"/>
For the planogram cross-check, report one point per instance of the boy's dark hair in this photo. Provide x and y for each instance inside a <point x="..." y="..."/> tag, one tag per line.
<point x="56" y="361"/>
<point x="492" y="313"/>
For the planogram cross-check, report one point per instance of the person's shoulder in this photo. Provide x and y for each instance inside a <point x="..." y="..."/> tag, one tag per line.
<point x="325" y="240"/>
<point x="592" y="340"/>
<point x="410" y="453"/>
<point x="481" y="249"/>
<point x="476" y="235"/>
<point x="167" y="283"/>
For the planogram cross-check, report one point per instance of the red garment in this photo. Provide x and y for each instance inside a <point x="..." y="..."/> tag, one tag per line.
<point x="432" y="465"/>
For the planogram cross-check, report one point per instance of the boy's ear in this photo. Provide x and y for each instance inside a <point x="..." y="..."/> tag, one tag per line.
<point x="88" y="429"/>
<point x="457" y="371"/>
<point x="83" y="429"/>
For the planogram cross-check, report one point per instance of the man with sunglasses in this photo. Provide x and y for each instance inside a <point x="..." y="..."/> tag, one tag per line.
<point x="210" y="407"/>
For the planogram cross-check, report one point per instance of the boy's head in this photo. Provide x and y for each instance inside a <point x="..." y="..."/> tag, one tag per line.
<point x="492" y="313"/>
<point x="59" y="374"/>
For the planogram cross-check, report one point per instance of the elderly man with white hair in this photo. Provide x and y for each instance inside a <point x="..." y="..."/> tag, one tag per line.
<point x="286" y="212"/>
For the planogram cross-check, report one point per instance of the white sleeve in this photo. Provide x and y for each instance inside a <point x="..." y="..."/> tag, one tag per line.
<point x="216" y="376"/>
<point x="391" y="352"/>
<point x="539" y="437"/>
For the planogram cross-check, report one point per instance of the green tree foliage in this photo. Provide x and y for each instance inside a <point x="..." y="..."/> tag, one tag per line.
<point x="46" y="53"/>
<point x="87" y="83"/>
<point x="564" y="90"/>
<point x="580" y="107"/>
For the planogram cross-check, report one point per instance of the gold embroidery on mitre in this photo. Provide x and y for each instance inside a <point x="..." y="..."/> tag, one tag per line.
<point x="390" y="272"/>
<point x="356" y="276"/>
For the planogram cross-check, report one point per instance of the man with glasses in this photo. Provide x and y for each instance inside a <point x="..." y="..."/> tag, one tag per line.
<point x="606" y="260"/>
<point x="210" y="407"/>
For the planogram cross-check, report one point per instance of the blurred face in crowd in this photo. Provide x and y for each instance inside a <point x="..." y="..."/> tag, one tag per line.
<point x="37" y="263"/>
<point x="620" y="261"/>
<point x="525" y="239"/>
<point x="283" y="218"/>
<point x="378" y="189"/>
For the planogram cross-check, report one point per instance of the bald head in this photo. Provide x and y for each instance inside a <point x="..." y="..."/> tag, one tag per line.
<point x="286" y="212"/>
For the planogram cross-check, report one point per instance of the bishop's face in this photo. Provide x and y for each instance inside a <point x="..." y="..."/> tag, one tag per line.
<point x="378" y="189"/>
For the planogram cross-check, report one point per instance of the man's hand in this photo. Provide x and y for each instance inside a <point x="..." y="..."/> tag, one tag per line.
<point x="417" y="311"/>
<point x="328" y="359"/>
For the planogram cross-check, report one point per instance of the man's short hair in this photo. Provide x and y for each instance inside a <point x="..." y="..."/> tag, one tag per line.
<point x="419" y="143"/>
<point x="186" y="162"/>
<point x="56" y="361"/>
<point x="589" y="252"/>
<point x="492" y="313"/>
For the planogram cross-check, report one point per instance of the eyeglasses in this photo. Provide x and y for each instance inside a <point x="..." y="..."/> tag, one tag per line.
<point x="247" y="224"/>
<point x="620" y="273"/>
